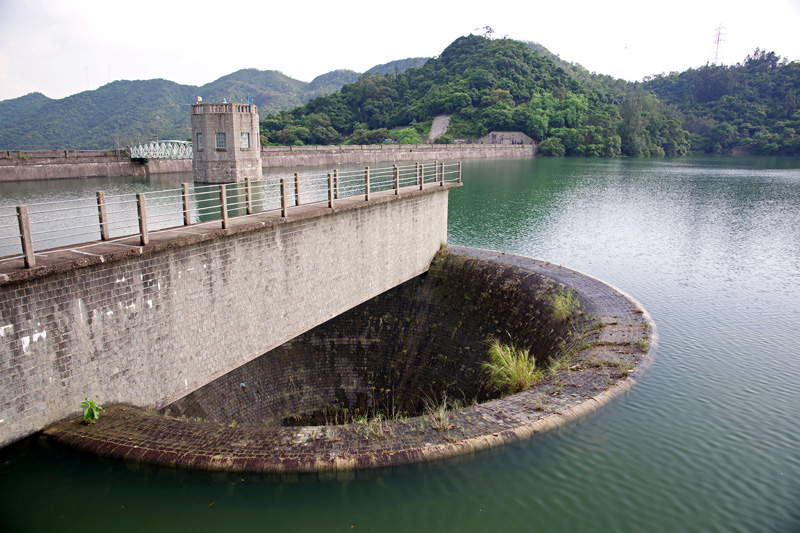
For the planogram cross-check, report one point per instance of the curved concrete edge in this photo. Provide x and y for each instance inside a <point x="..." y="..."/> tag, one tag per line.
<point x="649" y="355"/>
<point x="390" y="454"/>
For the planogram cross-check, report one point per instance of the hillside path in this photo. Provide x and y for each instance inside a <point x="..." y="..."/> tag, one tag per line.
<point x="439" y="126"/>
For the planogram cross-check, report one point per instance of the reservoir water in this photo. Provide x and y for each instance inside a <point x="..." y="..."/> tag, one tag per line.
<point x="709" y="440"/>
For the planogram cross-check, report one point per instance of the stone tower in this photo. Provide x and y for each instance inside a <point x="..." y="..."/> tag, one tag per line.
<point x="227" y="145"/>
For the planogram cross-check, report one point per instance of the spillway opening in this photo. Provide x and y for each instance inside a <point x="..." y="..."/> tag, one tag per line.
<point x="418" y="346"/>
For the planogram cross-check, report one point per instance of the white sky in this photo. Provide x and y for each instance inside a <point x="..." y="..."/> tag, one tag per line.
<point x="62" y="47"/>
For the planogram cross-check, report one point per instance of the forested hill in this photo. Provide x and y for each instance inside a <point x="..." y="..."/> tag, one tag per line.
<point x="125" y="109"/>
<point x="751" y="107"/>
<point x="489" y="85"/>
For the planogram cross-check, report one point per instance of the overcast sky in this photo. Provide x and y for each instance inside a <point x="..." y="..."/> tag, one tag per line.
<point x="62" y="47"/>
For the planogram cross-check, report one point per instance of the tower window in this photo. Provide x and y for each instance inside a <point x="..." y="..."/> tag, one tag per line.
<point x="220" y="140"/>
<point x="245" y="140"/>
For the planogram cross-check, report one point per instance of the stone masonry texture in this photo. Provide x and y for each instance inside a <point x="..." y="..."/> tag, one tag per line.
<point x="607" y="359"/>
<point x="148" y="325"/>
<point x="413" y="345"/>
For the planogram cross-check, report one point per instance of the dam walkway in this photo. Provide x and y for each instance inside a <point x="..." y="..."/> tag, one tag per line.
<point x="146" y="317"/>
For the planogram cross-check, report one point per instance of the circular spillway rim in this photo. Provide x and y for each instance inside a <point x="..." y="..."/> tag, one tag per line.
<point x="128" y="432"/>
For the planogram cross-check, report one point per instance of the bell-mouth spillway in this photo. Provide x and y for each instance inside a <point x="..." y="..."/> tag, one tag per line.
<point x="399" y="379"/>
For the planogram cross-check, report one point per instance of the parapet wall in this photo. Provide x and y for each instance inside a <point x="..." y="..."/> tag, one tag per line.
<point x="147" y="325"/>
<point x="56" y="164"/>
<point x="60" y="164"/>
<point x="288" y="156"/>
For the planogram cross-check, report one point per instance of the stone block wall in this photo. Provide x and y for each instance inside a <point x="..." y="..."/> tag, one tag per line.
<point x="234" y="161"/>
<point x="288" y="156"/>
<point x="418" y="343"/>
<point x="151" y="327"/>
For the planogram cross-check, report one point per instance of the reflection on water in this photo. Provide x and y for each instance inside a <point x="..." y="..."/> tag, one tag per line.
<point x="706" y="442"/>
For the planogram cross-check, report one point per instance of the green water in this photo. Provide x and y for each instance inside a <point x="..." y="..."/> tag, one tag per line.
<point x="709" y="440"/>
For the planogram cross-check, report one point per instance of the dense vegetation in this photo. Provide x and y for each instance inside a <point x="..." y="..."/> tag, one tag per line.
<point x="488" y="85"/>
<point x="483" y="84"/>
<point x="753" y="107"/>
<point x="143" y="109"/>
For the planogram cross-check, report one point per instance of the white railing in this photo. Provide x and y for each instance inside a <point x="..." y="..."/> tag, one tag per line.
<point x="162" y="150"/>
<point x="40" y="227"/>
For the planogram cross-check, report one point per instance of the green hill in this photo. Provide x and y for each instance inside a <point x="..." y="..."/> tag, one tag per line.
<point x="398" y="66"/>
<point x="143" y="109"/>
<point x="91" y="119"/>
<point x="750" y="107"/>
<point x="484" y="84"/>
<point x="490" y="85"/>
<point x="16" y="108"/>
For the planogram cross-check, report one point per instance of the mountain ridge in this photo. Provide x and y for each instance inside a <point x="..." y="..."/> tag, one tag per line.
<point x="142" y="109"/>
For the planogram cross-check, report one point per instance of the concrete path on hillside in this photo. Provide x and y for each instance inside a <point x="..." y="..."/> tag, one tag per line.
<point x="439" y="126"/>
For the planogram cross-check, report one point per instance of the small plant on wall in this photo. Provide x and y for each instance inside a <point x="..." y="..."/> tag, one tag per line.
<point x="91" y="411"/>
<point x="564" y="304"/>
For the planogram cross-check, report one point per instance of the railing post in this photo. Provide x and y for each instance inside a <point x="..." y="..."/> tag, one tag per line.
<point x="366" y="184"/>
<point x="249" y="195"/>
<point x="283" y="197"/>
<point x="296" y="189"/>
<point x="144" y="238"/>
<point x="336" y="183"/>
<point x="441" y="174"/>
<point x="435" y="171"/>
<point x="416" y="173"/>
<point x="459" y="171"/>
<point x="421" y="176"/>
<point x="187" y="217"/>
<point x="25" y="235"/>
<point x="330" y="190"/>
<point x="396" y="175"/>
<point x="102" y="212"/>
<point x="223" y="206"/>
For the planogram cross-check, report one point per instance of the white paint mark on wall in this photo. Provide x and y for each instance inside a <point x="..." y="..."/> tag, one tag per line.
<point x="132" y="306"/>
<point x="109" y="313"/>
<point x="159" y="285"/>
<point x="26" y="341"/>
<point x="150" y="304"/>
<point x="37" y="336"/>
<point x="122" y="280"/>
<point x="7" y="327"/>
<point x="185" y="382"/>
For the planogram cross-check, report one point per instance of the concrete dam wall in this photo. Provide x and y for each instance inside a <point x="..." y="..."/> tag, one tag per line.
<point x="58" y="164"/>
<point x="145" y="325"/>
<point x="418" y="343"/>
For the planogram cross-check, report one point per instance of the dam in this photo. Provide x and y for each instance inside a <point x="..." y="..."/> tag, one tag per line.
<point x="279" y="329"/>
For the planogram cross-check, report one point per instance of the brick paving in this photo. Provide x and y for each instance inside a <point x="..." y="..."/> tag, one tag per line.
<point x="606" y="369"/>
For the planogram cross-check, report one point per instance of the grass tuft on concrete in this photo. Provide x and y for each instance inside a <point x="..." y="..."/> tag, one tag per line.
<point x="564" y="304"/>
<point x="510" y="368"/>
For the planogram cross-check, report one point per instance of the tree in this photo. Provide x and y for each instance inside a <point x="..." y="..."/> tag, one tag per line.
<point x="552" y="146"/>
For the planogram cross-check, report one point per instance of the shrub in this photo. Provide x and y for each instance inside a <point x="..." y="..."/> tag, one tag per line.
<point x="510" y="368"/>
<point x="552" y="146"/>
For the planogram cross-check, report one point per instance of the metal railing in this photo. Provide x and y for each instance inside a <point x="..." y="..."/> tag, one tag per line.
<point x="40" y="227"/>
<point x="162" y="150"/>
